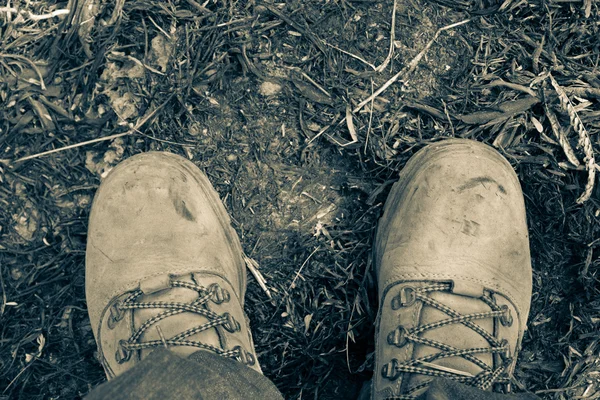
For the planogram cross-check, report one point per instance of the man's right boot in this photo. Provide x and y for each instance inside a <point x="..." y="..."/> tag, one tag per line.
<point x="164" y="267"/>
<point x="454" y="272"/>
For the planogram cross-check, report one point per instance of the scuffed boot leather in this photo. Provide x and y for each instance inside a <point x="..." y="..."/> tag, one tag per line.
<point x="454" y="272"/>
<point x="164" y="268"/>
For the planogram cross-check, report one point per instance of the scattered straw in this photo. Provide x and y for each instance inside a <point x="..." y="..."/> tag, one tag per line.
<point x="134" y="129"/>
<point x="410" y="67"/>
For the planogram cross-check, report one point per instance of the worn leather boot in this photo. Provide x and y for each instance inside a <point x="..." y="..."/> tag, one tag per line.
<point x="454" y="272"/>
<point x="164" y="268"/>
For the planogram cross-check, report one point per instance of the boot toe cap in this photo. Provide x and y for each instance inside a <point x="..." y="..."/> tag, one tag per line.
<point x="457" y="211"/>
<point x="157" y="213"/>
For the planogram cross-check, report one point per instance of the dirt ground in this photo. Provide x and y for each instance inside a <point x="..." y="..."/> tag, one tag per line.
<point x="272" y="101"/>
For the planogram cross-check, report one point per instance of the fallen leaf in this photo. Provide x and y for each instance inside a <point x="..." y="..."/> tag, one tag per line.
<point x="350" y="123"/>
<point x="160" y="52"/>
<point x="537" y="124"/>
<point x="307" y="320"/>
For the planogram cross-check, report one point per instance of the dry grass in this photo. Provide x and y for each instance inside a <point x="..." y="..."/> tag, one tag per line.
<point x="304" y="189"/>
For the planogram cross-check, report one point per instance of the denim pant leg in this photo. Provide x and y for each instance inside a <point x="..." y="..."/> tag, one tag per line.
<point x="164" y="375"/>
<point x="443" y="389"/>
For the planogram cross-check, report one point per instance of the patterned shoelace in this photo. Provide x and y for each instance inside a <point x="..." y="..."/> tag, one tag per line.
<point x="213" y="293"/>
<point x="423" y="366"/>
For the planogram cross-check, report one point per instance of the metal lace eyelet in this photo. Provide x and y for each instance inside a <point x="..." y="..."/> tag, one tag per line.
<point x="506" y="354"/>
<point x="116" y="314"/>
<point x="219" y="295"/>
<point x="251" y="359"/>
<point x="122" y="355"/>
<point x="397" y="337"/>
<point x="390" y="370"/>
<point x="231" y="325"/>
<point x="506" y="318"/>
<point x="405" y="298"/>
<point x="244" y="356"/>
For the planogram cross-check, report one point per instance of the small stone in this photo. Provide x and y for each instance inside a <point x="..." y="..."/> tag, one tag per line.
<point x="269" y="88"/>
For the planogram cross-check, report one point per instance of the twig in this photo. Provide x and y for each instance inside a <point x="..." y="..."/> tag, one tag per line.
<point x="410" y="67"/>
<point x="160" y="29"/>
<point x="252" y="265"/>
<point x="584" y="139"/>
<point x="514" y="86"/>
<point x="390" y="55"/>
<point x="302" y="267"/>
<point x="351" y="55"/>
<point x="370" y="120"/>
<point x="199" y="7"/>
<point x="311" y="80"/>
<point x="34" y="17"/>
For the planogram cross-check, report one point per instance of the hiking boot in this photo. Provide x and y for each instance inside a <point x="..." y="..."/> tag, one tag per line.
<point x="454" y="272"/>
<point x="164" y="268"/>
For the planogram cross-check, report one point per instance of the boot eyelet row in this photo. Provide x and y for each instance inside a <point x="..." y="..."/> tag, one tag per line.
<point x="405" y="298"/>
<point x="389" y="370"/>
<point x="506" y="319"/>
<point x="397" y="337"/>
<point x="116" y="314"/>
<point x="231" y="325"/>
<point x="219" y="295"/>
<point x="122" y="355"/>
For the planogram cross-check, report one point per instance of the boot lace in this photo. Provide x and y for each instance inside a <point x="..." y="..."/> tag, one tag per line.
<point x="423" y="366"/>
<point x="213" y="293"/>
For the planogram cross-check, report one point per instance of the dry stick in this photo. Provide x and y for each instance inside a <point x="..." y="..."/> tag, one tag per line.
<point x="302" y="267"/>
<point x="311" y="80"/>
<point x="410" y="67"/>
<point x="510" y="85"/>
<point x="252" y="265"/>
<point x="102" y="139"/>
<point x="392" y="40"/>
<point x="584" y="139"/>
<point x="32" y="16"/>
<point x="370" y="120"/>
<point x="350" y="54"/>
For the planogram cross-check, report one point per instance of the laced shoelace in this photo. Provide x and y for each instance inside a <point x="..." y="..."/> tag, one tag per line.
<point x="213" y="293"/>
<point x="423" y="366"/>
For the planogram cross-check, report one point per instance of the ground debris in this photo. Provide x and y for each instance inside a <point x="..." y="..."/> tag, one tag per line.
<point x="282" y="105"/>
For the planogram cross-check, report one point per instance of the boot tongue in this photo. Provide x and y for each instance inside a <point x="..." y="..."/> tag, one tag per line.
<point x="158" y="289"/>
<point x="456" y="335"/>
